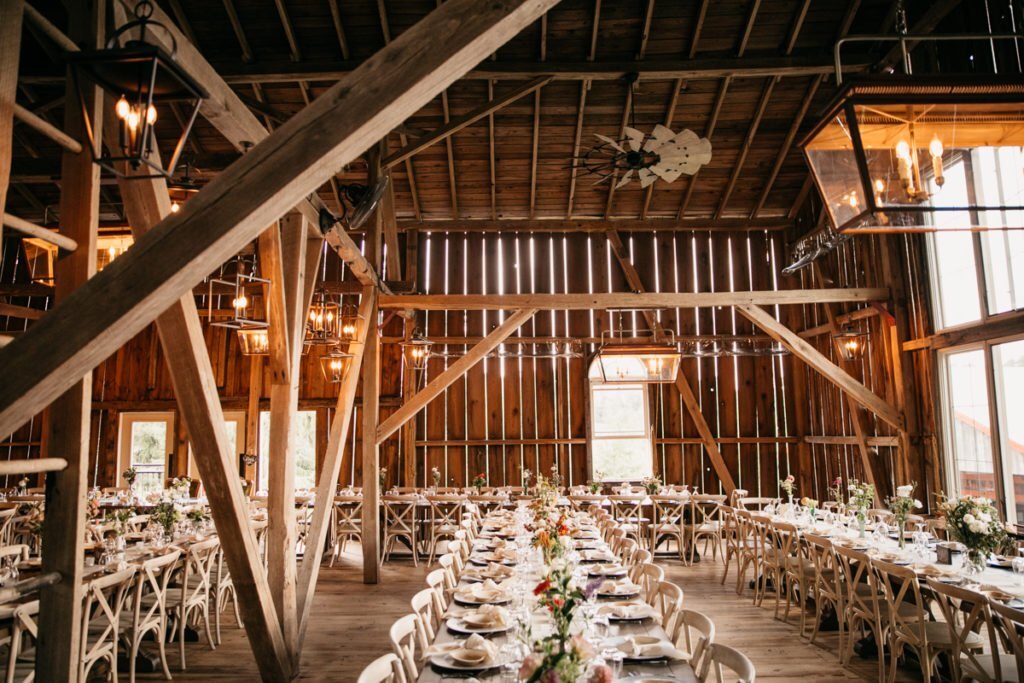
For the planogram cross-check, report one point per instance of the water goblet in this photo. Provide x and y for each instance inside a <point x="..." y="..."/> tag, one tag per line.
<point x="1018" y="569"/>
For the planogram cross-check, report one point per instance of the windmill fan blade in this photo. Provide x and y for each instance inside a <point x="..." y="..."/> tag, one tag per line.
<point x="686" y="152"/>
<point x="659" y="136"/>
<point x="635" y="137"/>
<point x="608" y="141"/>
<point x="666" y="172"/>
<point x="647" y="176"/>
<point x="367" y="203"/>
<point x="624" y="179"/>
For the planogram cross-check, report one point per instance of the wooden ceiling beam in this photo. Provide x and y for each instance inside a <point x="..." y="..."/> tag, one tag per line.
<point x="648" y="69"/>
<point x="233" y="208"/>
<point x="814" y="358"/>
<point x="289" y="32"/>
<point x="749" y="28"/>
<point x="613" y="300"/>
<point x="458" y="123"/>
<point x="627" y="109"/>
<point x="454" y="371"/>
<point x="339" y="29"/>
<point x="183" y="22"/>
<point x="597" y="224"/>
<point x="748" y="142"/>
<point x="798" y="24"/>
<point x="594" y="31"/>
<point x="709" y="130"/>
<point x="577" y="140"/>
<point x="492" y="162"/>
<point x="236" y="26"/>
<point x="698" y="26"/>
<point x="787" y="144"/>
<point x="673" y="101"/>
<point x="534" y="153"/>
<point x="450" y="153"/>
<point x="645" y="31"/>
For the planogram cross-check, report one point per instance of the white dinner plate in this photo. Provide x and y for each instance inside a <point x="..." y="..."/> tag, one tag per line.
<point x="474" y="603"/>
<point x="445" y="661"/>
<point x="457" y="625"/>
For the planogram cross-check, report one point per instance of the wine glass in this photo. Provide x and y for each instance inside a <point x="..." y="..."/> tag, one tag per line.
<point x="1018" y="569"/>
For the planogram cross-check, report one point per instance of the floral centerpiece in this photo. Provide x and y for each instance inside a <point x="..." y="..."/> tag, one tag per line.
<point x="789" y="486"/>
<point x="435" y="475"/>
<point x="651" y="484"/>
<point x="118" y="520"/>
<point x="835" y="493"/>
<point x="526" y="476"/>
<point x="561" y="656"/>
<point x="479" y="482"/>
<point x="556" y="477"/>
<point x="811" y="505"/>
<point x="900" y="506"/>
<point x="862" y="497"/>
<point x="130" y="476"/>
<point x="595" y="485"/>
<point x="974" y="521"/>
<point x="167" y="515"/>
<point x="180" y="487"/>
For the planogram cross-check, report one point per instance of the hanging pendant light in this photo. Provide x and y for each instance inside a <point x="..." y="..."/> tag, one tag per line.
<point x="644" y="358"/>
<point x="139" y="75"/>
<point x="350" y="322"/>
<point x="335" y="365"/>
<point x="254" y="341"/>
<point x="850" y="342"/>
<point x="324" y="322"/>
<point x="245" y="289"/>
<point x="416" y="351"/>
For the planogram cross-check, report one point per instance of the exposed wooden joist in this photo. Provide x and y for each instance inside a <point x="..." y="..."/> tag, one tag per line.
<point x="66" y="424"/>
<point x="327" y="484"/>
<point x="709" y="130"/>
<point x="183" y="22"/>
<point x="339" y="28"/>
<point x="452" y="373"/>
<point x="748" y="142"/>
<point x="594" y="31"/>
<point x="648" y="69"/>
<point x="41" y="125"/>
<point x="10" y="51"/>
<point x="841" y="319"/>
<point x="10" y="468"/>
<point x="455" y="125"/>
<point x="534" y="153"/>
<point x="146" y="202"/>
<point x="798" y="23"/>
<point x="875" y="441"/>
<point x="810" y="355"/>
<point x="236" y="26"/>
<point x="1000" y="326"/>
<point x="585" y="302"/>
<point x="598" y="224"/>
<point x="645" y="32"/>
<point x="45" y="234"/>
<point x="673" y="101"/>
<point x="584" y="87"/>
<point x="289" y="32"/>
<point x="698" y="26"/>
<point x="749" y="28"/>
<point x="235" y="206"/>
<point x="23" y="312"/>
<point x="627" y="109"/>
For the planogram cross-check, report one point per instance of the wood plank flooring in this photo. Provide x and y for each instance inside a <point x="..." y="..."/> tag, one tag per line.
<point x="350" y="622"/>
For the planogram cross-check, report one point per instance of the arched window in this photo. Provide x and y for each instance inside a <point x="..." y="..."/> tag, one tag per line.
<point x="620" y="429"/>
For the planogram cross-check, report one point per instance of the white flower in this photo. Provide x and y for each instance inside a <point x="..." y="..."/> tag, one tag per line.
<point x="985" y="517"/>
<point x="969" y="518"/>
<point x="917" y="503"/>
<point x="904" y="491"/>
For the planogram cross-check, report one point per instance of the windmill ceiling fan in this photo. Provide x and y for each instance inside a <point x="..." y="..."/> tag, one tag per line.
<point x="661" y="154"/>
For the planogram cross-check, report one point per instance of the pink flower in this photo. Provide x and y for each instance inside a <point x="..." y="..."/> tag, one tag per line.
<point x="582" y="647"/>
<point x="529" y="666"/>
<point x="790" y="478"/>
<point x="601" y="674"/>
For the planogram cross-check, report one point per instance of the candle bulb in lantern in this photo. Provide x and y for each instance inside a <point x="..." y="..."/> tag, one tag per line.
<point x="905" y="167"/>
<point x="935" y="148"/>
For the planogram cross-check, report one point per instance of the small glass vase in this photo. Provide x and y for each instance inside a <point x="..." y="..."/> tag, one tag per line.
<point x="974" y="565"/>
<point x="861" y="525"/>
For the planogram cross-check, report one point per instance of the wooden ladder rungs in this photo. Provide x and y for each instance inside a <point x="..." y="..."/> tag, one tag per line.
<point x="38" y="231"/>
<point x="32" y="466"/>
<point x="48" y="129"/>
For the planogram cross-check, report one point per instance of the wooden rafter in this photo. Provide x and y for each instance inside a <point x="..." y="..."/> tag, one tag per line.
<point x="236" y="26"/>
<point x="673" y="101"/>
<point x="234" y="207"/>
<point x="460" y="122"/>
<point x="698" y="26"/>
<point x="812" y="357"/>
<point x="594" y="31"/>
<point x="748" y="142"/>
<point x="709" y="130"/>
<point x="339" y="28"/>
<point x="534" y="153"/>
<point x="598" y="224"/>
<point x="451" y="374"/>
<point x="749" y="27"/>
<point x="492" y="164"/>
<point x="584" y="87"/>
<point x="798" y="24"/>
<point x="614" y="300"/>
<point x="289" y="32"/>
<point x="707" y="438"/>
<point x="623" y="122"/>
<point x="449" y="149"/>
<point x="645" y="31"/>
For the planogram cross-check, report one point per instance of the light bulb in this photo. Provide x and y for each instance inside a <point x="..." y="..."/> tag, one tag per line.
<point x="903" y="150"/>
<point x="879" y="185"/>
<point x="151" y="115"/>
<point x="122" y="108"/>
<point x="175" y="207"/>
<point x="111" y="252"/>
<point x="240" y="303"/>
<point x="853" y="200"/>
<point x="935" y="147"/>
<point x="133" y="119"/>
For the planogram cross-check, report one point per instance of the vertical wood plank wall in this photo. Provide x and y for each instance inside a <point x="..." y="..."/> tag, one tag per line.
<point x="520" y="411"/>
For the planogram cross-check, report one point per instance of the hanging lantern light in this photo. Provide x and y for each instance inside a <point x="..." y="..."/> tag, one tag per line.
<point x="139" y="75"/>
<point x="850" y="341"/>
<point x="254" y="341"/>
<point x="335" y="365"/>
<point x="645" y="363"/>
<point x="323" y="324"/>
<point x="920" y="154"/>
<point x="350" y="322"/>
<point x="416" y="351"/>
<point x="245" y="289"/>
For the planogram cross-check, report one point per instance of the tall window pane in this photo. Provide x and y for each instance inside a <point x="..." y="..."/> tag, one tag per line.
<point x="953" y="266"/>
<point x="148" y="453"/>
<point x="999" y="182"/>
<point x="620" y="445"/>
<point x="969" y="428"/>
<point x="305" y="450"/>
<point x="1008" y="369"/>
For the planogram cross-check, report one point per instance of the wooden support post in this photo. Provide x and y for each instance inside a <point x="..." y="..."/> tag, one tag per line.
<point x="454" y="372"/>
<point x="371" y="453"/>
<point x="58" y="648"/>
<point x="409" y="385"/>
<point x="10" y="51"/>
<point x="710" y="445"/>
<point x="799" y="377"/>
<point x="328" y="483"/>
<point x="810" y="355"/>
<point x="146" y="203"/>
<point x="252" y="415"/>
<point x="235" y="206"/>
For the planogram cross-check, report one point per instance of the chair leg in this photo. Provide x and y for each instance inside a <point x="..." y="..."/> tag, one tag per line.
<point x="181" y="636"/>
<point x="206" y="624"/>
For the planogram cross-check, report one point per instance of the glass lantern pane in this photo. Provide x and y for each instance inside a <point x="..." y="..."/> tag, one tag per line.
<point x="834" y="166"/>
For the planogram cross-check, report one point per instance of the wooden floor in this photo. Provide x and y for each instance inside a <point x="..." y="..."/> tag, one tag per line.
<point x="350" y="623"/>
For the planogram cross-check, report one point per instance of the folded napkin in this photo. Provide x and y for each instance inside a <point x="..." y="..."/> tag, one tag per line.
<point x="478" y="644"/>
<point x="488" y="591"/>
<point x="627" y="610"/>
<point x="931" y="570"/>
<point x="488" y="616"/>
<point x="621" y="587"/>
<point x="662" y="648"/>
<point x="608" y="568"/>
<point x="442" y="648"/>
<point x="596" y="554"/>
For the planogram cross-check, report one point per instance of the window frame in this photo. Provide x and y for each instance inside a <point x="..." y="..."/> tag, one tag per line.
<point x="597" y="384"/>
<point x="240" y="419"/>
<point x="124" y="437"/>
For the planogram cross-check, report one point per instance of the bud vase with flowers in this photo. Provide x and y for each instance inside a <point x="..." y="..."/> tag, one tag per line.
<point x="862" y="497"/>
<point x="900" y="506"/>
<point x="789" y="486"/>
<point x="974" y="521"/>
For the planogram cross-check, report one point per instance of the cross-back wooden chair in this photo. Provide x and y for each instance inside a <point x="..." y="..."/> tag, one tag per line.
<point x="825" y="588"/>
<point x="628" y="511"/>
<point x="797" y="570"/>
<point x="748" y="549"/>
<point x="586" y="501"/>
<point x="648" y="579"/>
<point x="224" y="591"/>
<point x="667" y="600"/>
<point x="347" y="523"/>
<point x="400" y="522"/>
<point x="694" y="634"/>
<point x="102" y="603"/>
<point x="423" y="606"/>
<point x="449" y="565"/>
<point x="385" y="669"/>
<point x="967" y="616"/>
<point x="403" y="643"/>
<point x="730" y="539"/>
<point x="1009" y="622"/>
<point x="722" y="655"/>
<point x="21" y="666"/>
<point x="445" y="520"/>
<point x="7" y="516"/>
<point x="908" y="622"/>
<point x="148" y="609"/>
<point x="189" y="598"/>
<point x="668" y="517"/>
<point x="759" y="530"/>
<point x="705" y="523"/>
<point x="861" y="602"/>
<point x="437" y="581"/>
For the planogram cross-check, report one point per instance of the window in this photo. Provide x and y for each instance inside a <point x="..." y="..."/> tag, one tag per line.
<point x="305" y="450"/>
<point x="969" y="432"/>
<point x="975" y="276"/>
<point x="620" y="438"/>
<point x="145" y="441"/>
<point x="1008" y="377"/>
<point x="234" y="423"/>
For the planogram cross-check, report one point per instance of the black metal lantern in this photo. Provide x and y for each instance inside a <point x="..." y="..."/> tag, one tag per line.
<point x="920" y="154"/>
<point x="139" y="75"/>
<point x="335" y="365"/>
<point x="416" y="352"/>
<point x="850" y="342"/>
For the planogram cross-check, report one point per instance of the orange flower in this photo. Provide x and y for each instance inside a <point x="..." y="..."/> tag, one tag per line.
<point x="542" y="587"/>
